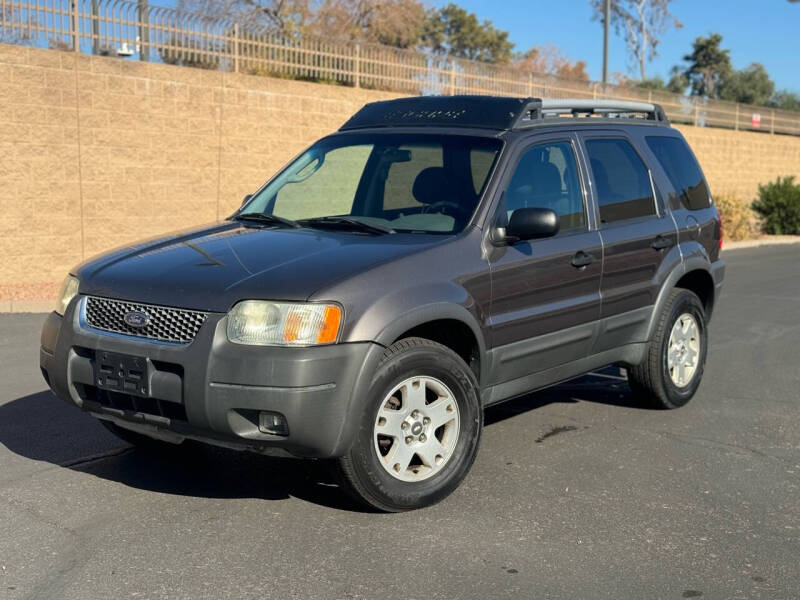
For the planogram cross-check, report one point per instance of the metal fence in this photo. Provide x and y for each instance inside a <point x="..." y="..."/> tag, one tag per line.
<point x="138" y="31"/>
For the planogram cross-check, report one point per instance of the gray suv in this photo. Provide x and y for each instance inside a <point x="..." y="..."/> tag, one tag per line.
<point x="435" y="256"/>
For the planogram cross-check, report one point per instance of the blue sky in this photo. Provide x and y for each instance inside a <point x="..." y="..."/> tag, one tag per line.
<point x="767" y="32"/>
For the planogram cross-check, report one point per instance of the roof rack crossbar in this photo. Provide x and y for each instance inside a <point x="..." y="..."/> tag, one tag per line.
<point x="576" y="107"/>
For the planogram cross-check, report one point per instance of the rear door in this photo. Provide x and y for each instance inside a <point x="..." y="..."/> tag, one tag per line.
<point x="689" y="196"/>
<point x="637" y="232"/>
<point x="545" y="292"/>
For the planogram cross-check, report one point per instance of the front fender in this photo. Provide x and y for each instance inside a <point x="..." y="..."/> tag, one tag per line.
<point x="377" y="325"/>
<point x="389" y="317"/>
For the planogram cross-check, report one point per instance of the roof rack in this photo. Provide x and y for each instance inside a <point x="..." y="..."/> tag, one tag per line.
<point x="539" y="110"/>
<point x="487" y="112"/>
<point x="493" y="112"/>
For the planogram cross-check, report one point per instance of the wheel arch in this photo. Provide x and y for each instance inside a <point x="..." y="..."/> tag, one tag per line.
<point x="449" y="324"/>
<point x="701" y="283"/>
<point x="694" y="274"/>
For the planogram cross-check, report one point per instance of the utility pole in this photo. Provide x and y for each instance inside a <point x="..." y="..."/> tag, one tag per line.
<point x="606" y="18"/>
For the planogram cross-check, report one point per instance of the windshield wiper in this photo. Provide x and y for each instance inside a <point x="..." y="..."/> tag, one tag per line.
<point x="265" y="218"/>
<point x="347" y="223"/>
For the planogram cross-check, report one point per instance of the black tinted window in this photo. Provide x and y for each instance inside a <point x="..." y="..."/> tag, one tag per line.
<point x="621" y="179"/>
<point x="682" y="170"/>
<point x="547" y="177"/>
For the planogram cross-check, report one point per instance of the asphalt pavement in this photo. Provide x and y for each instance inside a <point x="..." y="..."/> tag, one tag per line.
<point x="577" y="492"/>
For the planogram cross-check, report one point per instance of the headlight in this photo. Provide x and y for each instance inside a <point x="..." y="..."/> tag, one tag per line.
<point x="69" y="289"/>
<point x="262" y="323"/>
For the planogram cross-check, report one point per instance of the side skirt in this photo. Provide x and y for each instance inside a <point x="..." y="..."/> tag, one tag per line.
<point x="630" y="354"/>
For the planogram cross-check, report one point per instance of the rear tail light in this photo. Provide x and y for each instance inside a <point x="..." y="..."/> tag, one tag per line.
<point x="719" y="228"/>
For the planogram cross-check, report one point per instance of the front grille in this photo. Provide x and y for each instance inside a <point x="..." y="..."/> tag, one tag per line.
<point x="165" y="324"/>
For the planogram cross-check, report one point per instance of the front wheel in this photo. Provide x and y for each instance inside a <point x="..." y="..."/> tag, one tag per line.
<point x="419" y="434"/>
<point x="671" y="372"/>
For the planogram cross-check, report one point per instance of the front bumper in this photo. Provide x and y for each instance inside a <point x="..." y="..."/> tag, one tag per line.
<point x="213" y="390"/>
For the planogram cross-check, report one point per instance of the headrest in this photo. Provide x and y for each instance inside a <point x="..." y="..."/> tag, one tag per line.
<point x="431" y="186"/>
<point x="546" y="180"/>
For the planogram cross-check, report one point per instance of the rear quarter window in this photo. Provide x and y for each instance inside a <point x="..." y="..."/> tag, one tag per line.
<point x="682" y="170"/>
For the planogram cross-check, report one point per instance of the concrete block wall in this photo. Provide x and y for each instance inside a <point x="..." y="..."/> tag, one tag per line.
<point x="98" y="152"/>
<point x="736" y="162"/>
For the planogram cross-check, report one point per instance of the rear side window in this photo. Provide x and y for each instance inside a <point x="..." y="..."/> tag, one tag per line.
<point x="622" y="181"/>
<point x="682" y="170"/>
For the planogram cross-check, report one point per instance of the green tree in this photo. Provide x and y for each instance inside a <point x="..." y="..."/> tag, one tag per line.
<point x="708" y="66"/>
<point x="678" y="81"/>
<point x="785" y="99"/>
<point x="654" y="83"/>
<point x="453" y="31"/>
<point x="641" y="23"/>
<point x="751" y="85"/>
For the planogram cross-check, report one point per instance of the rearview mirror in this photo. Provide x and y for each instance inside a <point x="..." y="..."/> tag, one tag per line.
<point x="531" y="223"/>
<point x="246" y="199"/>
<point x="396" y="155"/>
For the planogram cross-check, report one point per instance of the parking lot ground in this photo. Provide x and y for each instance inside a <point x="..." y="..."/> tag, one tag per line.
<point x="577" y="492"/>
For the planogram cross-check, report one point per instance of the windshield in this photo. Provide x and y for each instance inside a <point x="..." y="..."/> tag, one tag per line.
<point x="403" y="182"/>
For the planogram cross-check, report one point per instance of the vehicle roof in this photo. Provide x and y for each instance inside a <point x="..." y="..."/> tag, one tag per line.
<point x="498" y="113"/>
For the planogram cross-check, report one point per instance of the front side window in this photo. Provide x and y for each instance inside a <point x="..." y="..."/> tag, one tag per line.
<point x="407" y="182"/>
<point x="547" y="177"/>
<point x="681" y="169"/>
<point x="622" y="181"/>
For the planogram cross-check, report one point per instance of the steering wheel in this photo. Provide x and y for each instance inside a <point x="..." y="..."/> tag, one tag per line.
<point x="445" y="204"/>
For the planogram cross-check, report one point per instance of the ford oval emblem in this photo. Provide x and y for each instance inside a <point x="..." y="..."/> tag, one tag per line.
<point x="136" y="319"/>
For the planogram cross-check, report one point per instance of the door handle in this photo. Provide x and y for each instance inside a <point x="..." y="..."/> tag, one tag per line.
<point x="582" y="260"/>
<point x="661" y="243"/>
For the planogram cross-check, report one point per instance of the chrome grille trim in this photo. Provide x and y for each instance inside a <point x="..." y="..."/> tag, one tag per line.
<point x="167" y="324"/>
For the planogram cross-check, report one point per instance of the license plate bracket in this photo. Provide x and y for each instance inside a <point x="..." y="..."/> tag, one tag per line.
<point x="122" y="373"/>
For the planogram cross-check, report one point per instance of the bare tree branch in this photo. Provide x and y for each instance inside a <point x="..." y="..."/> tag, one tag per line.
<point x="641" y="23"/>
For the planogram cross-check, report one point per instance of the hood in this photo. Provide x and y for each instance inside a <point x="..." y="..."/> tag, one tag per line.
<point x="214" y="267"/>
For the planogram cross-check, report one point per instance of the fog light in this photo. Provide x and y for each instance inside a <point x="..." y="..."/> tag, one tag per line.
<point x="273" y="423"/>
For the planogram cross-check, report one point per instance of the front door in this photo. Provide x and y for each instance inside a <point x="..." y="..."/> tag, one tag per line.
<point x="546" y="292"/>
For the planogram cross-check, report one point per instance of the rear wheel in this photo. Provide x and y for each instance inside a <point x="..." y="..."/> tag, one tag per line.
<point x="671" y="372"/>
<point x="419" y="434"/>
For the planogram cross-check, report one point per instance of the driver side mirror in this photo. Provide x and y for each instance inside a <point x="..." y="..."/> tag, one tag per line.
<point x="531" y="223"/>
<point x="246" y="200"/>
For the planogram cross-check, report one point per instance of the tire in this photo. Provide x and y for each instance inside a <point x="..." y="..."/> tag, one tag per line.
<point x="660" y="380"/>
<point x="423" y="392"/>
<point x="139" y="440"/>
